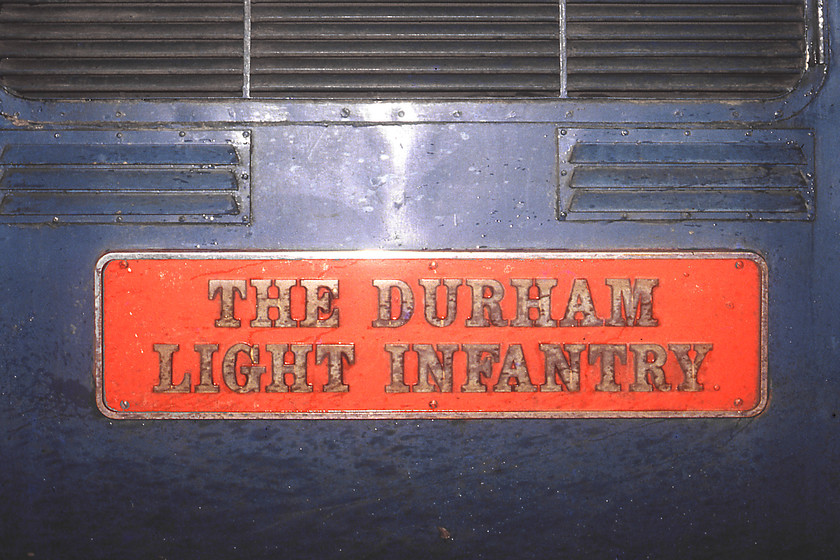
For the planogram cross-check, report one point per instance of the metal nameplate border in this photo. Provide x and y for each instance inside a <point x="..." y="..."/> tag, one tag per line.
<point x="396" y="254"/>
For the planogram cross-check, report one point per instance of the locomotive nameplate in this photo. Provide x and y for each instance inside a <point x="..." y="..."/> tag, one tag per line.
<point x="442" y="335"/>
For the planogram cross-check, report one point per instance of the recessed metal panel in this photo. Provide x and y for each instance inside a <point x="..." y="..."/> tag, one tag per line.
<point x="407" y="334"/>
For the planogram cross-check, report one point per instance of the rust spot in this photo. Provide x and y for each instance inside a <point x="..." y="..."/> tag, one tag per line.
<point x="17" y="121"/>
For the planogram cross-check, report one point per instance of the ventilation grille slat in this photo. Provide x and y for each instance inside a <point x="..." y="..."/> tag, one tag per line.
<point x="374" y="48"/>
<point x="437" y="51"/>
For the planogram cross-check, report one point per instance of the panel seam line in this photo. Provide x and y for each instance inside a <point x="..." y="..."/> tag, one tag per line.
<point x="246" y="50"/>
<point x="562" y="46"/>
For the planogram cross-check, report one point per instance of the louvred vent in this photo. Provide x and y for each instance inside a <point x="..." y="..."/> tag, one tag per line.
<point x="261" y="48"/>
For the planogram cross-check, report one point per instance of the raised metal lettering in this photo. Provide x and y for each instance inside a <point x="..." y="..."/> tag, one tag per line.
<point x="486" y="296"/>
<point x="205" y="368"/>
<point x="227" y="288"/>
<point x="282" y="303"/>
<point x="279" y="368"/>
<point x="319" y="299"/>
<point x="165" y="371"/>
<point x="480" y="360"/>
<point x="428" y="365"/>
<point x="386" y="302"/>
<point x="252" y="373"/>
<point x="607" y="353"/>
<point x="430" y="288"/>
<point x="556" y="365"/>
<point x="645" y="368"/>
<point x="524" y="302"/>
<point x="335" y="355"/>
<point x="638" y="302"/>
<point x="514" y="367"/>
<point x="397" y="384"/>
<point x="580" y="301"/>
<point x="688" y="366"/>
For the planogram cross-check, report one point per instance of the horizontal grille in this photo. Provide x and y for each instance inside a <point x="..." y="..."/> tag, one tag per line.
<point x="405" y="48"/>
<point x="684" y="48"/>
<point x="122" y="49"/>
<point x="368" y="48"/>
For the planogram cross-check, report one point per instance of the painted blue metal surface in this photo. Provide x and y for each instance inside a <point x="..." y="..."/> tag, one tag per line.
<point x="425" y="175"/>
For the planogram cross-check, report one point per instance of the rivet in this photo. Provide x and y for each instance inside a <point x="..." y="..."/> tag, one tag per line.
<point x="433" y="404"/>
<point x="739" y="264"/>
<point x="345" y="112"/>
<point x="401" y="114"/>
<point x="182" y="134"/>
<point x="738" y="402"/>
<point x="563" y="131"/>
<point x="563" y="172"/>
<point x="456" y="114"/>
<point x="246" y="134"/>
<point x="124" y="405"/>
<point x="625" y="132"/>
